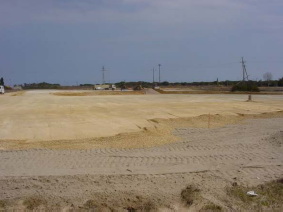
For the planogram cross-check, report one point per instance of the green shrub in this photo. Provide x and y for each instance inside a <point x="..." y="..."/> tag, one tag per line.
<point x="245" y="86"/>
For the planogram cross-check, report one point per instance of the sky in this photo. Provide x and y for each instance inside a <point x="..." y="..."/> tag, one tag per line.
<point x="68" y="41"/>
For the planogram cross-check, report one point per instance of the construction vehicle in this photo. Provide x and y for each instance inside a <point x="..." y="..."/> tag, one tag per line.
<point x="105" y="87"/>
<point x="2" y="89"/>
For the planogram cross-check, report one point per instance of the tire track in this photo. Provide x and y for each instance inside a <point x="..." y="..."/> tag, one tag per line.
<point x="208" y="154"/>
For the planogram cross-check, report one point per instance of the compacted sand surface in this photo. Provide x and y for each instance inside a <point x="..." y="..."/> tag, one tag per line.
<point x="39" y="115"/>
<point x="116" y="173"/>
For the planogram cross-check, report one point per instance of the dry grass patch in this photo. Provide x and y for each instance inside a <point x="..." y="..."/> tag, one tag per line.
<point x="190" y="194"/>
<point x="18" y="93"/>
<point x="211" y="207"/>
<point x="72" y="94"/>
<point x="216" y="92"/>
<point x="270" y="196"/>
<point x="3" y="204"/>
<point x="99" y="93"/>
<point x="90" y="205"/>
<point x="146" y="207"/>
<point x="32" y="203"/>
<point x="122" y="203"/>
<point x="191" y="92"/>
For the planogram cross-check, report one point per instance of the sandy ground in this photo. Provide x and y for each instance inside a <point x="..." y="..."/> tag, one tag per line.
<point x="143" y="167"/>
<point x="41" y="116"/>
<point x="249" y="153"/>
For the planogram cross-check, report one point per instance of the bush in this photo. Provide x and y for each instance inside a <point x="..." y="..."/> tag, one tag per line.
<point x="189" y="195"/>
<point x="245" y="86"/>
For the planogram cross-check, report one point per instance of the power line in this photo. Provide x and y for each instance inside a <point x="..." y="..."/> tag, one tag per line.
<point x="262" y="61"/>
<point x="153" y="75"/>
<point x="212" y="65"/>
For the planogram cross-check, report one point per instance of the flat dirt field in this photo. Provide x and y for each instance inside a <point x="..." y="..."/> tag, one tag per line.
<point x="91" y="151"/>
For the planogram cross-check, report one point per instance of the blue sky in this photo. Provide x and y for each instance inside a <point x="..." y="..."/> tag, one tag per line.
<point x="68" y="41"/>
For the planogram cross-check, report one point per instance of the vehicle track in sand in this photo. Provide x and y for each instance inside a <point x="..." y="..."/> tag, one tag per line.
<point x="244" y="150"/>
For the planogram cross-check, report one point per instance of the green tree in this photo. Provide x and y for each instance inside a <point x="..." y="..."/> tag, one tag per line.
<point x="165" y="83"/>
<point x="121" y="85"/>
<point x="2" y="81"/>
<point x="280" y="82"/>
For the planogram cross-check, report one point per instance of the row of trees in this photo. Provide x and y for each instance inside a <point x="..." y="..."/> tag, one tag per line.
<point x="42" y="85"/>
<point x="2" y="81"/>
<point x="260" y="83"/>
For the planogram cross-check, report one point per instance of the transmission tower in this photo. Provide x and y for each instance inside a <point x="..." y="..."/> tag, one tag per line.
<point x="103" y="75"/>
<point x="159" y="65"/>
<point x="245" y="73"/>
<point x="153" y="75"/>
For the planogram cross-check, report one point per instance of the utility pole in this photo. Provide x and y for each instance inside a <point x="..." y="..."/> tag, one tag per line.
<point x="159" y="72"/>
<point x="245" y="74"/>
<point x="153" y="76"/>
<point x="103" y="75"/>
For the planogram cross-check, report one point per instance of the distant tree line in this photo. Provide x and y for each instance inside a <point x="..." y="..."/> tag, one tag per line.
<point x="163" y="84"/>
<point x="86" y="85"/>
<point x="42" y="85"/>
<point x="124" y="84"/>
<point x="2" y="81"/>
<point x="261" y="83"/>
